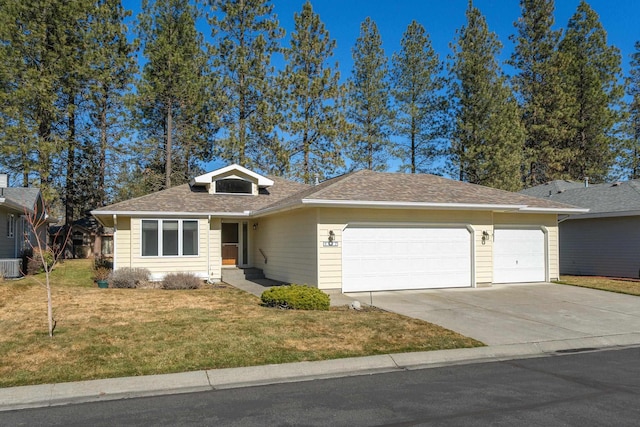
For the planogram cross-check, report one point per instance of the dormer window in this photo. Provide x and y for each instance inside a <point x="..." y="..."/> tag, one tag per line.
<point x="234" y="186"/>
<point x="233" y="179"/>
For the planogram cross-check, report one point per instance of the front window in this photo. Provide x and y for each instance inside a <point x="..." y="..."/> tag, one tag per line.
<point x="165" y="237"/>
<point x="11" y="225"/>
<point x="234" y="186"/>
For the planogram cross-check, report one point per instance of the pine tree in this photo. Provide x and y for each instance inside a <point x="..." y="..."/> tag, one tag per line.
<point x="487" y="138"/>
<point x="313" y="119"/>
<point x="631" y="153"/>
<point x="112" y="67"/>
<point x="592" y="82"/>
<point x="172" y="95"/>
<point x="540" y="88"/>
<point x="32" y="51"/>
<point x="416" y="87"/>
<point x="248" y="38"/>
<point x="368" y="102"/>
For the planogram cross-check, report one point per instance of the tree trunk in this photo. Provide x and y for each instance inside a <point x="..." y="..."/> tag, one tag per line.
<point x="413" y="144"/>
<point x="168" y="147"/>
<point x="49" y="305"/>
<point x="71" y="162"/>
<point x="102" y="161"/>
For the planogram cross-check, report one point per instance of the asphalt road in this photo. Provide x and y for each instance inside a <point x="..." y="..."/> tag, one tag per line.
<point x="589" y="388"/>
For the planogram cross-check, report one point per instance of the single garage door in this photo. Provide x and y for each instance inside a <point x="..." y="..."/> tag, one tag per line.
<point x="394" y="258"/>
<point x="518" y="256"/>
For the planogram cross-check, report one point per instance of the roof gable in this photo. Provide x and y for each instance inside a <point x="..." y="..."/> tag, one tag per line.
<point x="232" y="171"/>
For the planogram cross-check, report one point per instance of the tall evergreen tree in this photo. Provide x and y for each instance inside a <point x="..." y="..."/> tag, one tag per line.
<point x="33" y="35"/>
<point x="488" y="137"/>
<point x="631" y="152"/>
<point x="112" y="67"/>
<point x="592" y="80"/>
<point x="368" y="102"/>
<point x="173" y="93"/>
<point x="248" y="37"/>
<point x="416" y="87"/>
<point x="313" y="119"/>
<point x="539" y="85"/>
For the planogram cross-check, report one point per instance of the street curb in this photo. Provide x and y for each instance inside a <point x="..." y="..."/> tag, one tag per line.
<point x="47" y="395"/>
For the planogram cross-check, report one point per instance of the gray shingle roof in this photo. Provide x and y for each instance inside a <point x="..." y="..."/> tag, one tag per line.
<point x="26" y="197"/>
<point x="361" y="186"/>
<point x="598" y="198"/>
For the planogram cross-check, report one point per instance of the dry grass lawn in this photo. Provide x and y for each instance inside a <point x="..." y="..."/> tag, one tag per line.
<point x="104" y="333"/>
<point x="612" y="284"/>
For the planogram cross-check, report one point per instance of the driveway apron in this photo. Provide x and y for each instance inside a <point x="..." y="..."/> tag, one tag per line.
<point x="517" y="313"/>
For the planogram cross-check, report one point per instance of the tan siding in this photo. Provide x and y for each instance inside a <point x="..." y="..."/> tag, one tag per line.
<point x="601" y="247"/>
<point x="215" y="249"/>
<point x="122" y="242"/>
<point x="549" y="221"/>
<point x="159" y="266"/>
<point x="288" y="241"/>
<point x="330" y="258"/>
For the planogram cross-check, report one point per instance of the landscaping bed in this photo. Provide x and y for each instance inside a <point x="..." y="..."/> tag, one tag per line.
<point x="105" y="333"/>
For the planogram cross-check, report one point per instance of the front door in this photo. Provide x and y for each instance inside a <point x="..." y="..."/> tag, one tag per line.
<point x="230" y="243"/>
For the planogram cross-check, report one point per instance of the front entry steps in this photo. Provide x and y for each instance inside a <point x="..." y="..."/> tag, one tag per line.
<point x="234" y="274"/>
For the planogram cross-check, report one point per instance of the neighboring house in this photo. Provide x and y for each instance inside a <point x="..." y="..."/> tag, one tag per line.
<point x="15" y="234"/>
<point x="363" y="231"/>
<point x="88" y="239"/>
<point x="605" y="241"/>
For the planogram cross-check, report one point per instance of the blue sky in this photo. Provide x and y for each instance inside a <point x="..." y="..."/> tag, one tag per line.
<point x="441" y="18"/>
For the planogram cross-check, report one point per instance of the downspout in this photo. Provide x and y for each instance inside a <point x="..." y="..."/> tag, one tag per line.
<point x="115" y="239"/>
<point x="208" y="248"/>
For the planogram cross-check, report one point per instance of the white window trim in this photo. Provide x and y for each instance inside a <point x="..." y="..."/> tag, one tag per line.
<point x="11" y="226"/>
<point x="250" y="193"/>
<point x="180" y="232"/>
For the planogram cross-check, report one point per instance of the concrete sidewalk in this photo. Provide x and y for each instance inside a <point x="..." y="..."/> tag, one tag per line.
<point x="156" y="385"/>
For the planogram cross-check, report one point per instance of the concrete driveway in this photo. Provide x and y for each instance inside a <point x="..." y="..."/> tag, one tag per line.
<point x="518" y="313"/>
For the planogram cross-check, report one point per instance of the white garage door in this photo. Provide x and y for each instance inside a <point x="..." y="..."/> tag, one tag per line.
<point x="393" y="258"/>
<point x="518" y="256"/>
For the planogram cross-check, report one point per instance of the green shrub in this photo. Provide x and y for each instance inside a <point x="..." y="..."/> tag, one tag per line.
<point x="181" y="281"/>
<point x="128" y="277"/>
<point x="296" y="297"/>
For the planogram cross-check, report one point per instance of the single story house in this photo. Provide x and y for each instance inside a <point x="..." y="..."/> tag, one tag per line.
<point x="88" y="239"/>
<point x="15" y="233"/>
<point x="362" y="231"/>
<point x="605" y="241"/>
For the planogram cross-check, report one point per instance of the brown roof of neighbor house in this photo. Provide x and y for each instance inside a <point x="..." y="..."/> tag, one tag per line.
<point x="362" y="187"/>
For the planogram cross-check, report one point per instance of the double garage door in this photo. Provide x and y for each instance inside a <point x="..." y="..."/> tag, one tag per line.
<point x="396" y="258"/>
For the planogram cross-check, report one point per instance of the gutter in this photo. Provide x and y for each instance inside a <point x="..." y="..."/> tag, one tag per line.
<point x="408" y="205"/>
<point x="604" y="215"/>
<point x="97" y="213"/>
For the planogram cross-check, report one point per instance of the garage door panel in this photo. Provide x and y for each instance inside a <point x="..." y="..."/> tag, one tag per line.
<point x="518" y="256"/>
<point x="393" y="258"/>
